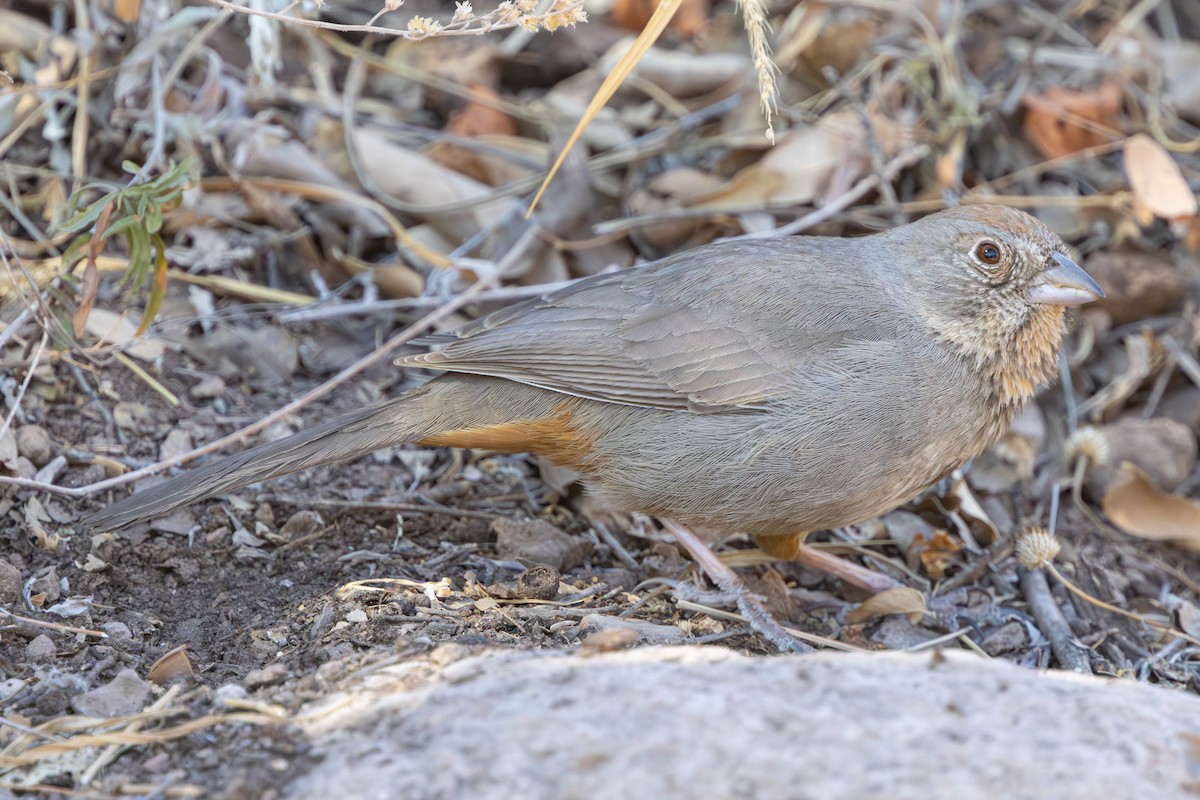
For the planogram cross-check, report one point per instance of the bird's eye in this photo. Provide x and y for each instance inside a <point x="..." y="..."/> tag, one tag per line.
<point x="988" y="253"/>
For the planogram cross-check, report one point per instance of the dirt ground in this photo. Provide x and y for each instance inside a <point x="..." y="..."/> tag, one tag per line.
<point x="283" y="593"/>
<point x="320" y="190"/>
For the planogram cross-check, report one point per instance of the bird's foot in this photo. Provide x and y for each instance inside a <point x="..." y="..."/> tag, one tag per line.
<point x="749" y="606"/>
<point x="792" y="548"/>
<point x="694" y="594"/>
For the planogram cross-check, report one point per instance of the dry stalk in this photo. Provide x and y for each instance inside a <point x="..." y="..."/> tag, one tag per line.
<point x="465" y="22"/>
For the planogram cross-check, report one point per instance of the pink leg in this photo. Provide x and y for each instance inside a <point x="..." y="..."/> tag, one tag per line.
<point x="791" y="548"/>
<point x="756" y="614"/>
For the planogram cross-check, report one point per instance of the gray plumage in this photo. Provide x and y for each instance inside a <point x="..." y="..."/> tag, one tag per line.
<point x="768" y="387"/>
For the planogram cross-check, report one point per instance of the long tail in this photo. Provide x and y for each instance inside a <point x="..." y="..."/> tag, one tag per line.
<point x="411" y="417"/>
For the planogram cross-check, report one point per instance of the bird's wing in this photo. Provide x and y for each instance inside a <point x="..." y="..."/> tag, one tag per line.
<point x="719" y="329"/>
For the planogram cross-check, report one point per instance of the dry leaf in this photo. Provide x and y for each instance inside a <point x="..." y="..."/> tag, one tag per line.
<point x="1159" y="188"/>
<point x="127" y="11"/>
<point x="751" y="188"/>
<point x="937" y="553"/>
<point x="394" y="279"/>
<point x="676" y="188"/>
<point x="35" y="515"/>
<point x="842" y="41"/>
<point x="404" y="173"/>
<point x="608" y="640"/>
<point x="1138" y="285"/>
<point x="808" y="165"/>
<point x="1137" y="506"/>
<point x="116" y="329"/>
<point x="1187" y="615"/>
<point x="1063" y="121"/>
<point x="481" y="116"/>
<point x="689" y="20"/>
<point x="970" y="507"/>
<point x="174" y="665"/>
<point x="901" y="600"/>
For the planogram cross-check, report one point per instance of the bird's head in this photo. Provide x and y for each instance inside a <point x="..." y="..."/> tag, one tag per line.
<point x="993" y="282"/>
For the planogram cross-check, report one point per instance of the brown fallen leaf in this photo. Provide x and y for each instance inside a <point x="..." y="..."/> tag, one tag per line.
<point x="1159" y="188"/>
<point x="1063" y="121"/>
<point x="1137" y="506"/>
<point x="901" y="600"/>
<point x="689" y="20"/>
<point x="481" y="115"/>
<point x="810" y="164"/>
<point x="173" y="666"/>
<point x="674" y="189"/>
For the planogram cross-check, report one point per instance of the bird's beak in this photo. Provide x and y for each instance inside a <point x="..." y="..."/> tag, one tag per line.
<point x="1065" y="284"/>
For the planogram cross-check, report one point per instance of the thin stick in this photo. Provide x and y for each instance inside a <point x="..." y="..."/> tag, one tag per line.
<point x="54" y="626"/>
<point x="1053" y="624"/>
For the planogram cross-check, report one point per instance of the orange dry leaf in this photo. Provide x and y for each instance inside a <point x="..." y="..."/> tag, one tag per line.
<point x="1137" y="506"/>
<point x="127" y="11"/>
<point x="478" y="118"/>
<point x="1063" y="121"/>
<point x="937" y="553"/>
<point x="173" y="666"/>
<point x="1159" y="188"/>
<point x="689" y="20"/>
<point x="481" y="116"/>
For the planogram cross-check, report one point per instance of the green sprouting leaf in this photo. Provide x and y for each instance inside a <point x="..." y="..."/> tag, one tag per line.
<point x="76" y="250"/>
<point x="136" y="215"/>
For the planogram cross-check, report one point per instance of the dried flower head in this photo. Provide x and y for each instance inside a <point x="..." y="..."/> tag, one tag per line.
<point x="462" y="11"/>
<point x="424" y="26"/>
<point x="1090" y="443"/>
<point x="1036" y="548"/>
<point x="506" y="12"/>
<point x="566" y="19"/>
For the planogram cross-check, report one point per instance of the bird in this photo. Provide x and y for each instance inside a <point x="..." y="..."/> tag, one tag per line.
<point x="769" y="387"/>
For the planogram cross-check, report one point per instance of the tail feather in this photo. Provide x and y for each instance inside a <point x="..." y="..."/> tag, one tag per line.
<point x="374" y="428"/>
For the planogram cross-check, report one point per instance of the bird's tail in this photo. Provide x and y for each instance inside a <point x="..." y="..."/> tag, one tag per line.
<point x="414" y="416"/>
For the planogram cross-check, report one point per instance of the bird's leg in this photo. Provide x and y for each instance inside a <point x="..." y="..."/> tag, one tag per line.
<point x="790" y="547"/>
<point x="756" y="614"/>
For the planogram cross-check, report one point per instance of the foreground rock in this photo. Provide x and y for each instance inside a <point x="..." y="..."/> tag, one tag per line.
<point x="708" y="723"/>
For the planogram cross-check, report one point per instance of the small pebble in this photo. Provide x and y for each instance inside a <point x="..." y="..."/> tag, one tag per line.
<point x="177" y="441"/>
<point x="535" y="541"/>
<point x="118" y="632"/>
<point x="208" y="388"/>
<point x="40" y="648"/>
<point x="448" y="653"/>
<point x="34" y="443"/>
<point x="123" y="695"/>
<point x="229" y="691"/>
<point x="10" y="584"/>
<point x="267" y="676"/>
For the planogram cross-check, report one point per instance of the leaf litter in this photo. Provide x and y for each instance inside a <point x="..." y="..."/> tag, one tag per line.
<point x="292" y="197"/>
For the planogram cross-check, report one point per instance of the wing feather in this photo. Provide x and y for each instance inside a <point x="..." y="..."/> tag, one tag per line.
<point x="720" y="329"/>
